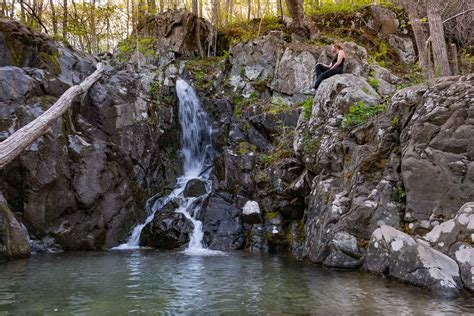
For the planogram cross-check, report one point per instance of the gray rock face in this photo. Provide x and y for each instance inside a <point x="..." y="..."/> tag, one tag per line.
<point x="221" y="223"/>
<point x="85" y="184"/>
<point x="383" y="20"/>
<point x="355" y="172"/>
<point x="13" y="237"/>
<point x="176" y="31"/>
<point x="437" y="152"/>
<point x="168" y="230"/>
<point x="398" y="255"/>
<point x="455" y="237"/>
<point x="386" y="81"/>
<point x="295" y="72"/>
<point x="404" y="47"/>
<point x="195" y="188"/>
<point x="254" y="61"/>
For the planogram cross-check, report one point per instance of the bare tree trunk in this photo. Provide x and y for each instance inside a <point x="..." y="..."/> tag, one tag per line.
<point x="440" y="51"/>
<point x="454" y="59"/>
<point x="4" y="8"/>
<point x="65" y="17"/>
<point x="296" y="10"/>
<point x="249" y="9"/>
<point x="12" y="12"/>
<point x="14" y="145"/>
<point x="195" y="7"/>
<point x="53" y="18"/>
<point x="420" y="35"/>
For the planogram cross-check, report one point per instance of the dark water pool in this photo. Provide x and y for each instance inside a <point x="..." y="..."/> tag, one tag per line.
<point x="152" y="282"/>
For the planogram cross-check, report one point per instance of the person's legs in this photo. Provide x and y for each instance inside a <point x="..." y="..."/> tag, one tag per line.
<point x="327" y="74"/>
<point x="320" y="69"/>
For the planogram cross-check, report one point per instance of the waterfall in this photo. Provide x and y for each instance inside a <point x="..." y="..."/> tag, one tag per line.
<point x="197" y="151"/>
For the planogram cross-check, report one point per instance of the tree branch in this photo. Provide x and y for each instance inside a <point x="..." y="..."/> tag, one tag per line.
<point x="27" y="135"/>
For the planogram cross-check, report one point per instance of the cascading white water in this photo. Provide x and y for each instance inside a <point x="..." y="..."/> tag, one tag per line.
<point x="196" y="149"/>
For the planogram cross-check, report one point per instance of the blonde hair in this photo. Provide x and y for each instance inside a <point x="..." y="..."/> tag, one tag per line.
<point x="337" y="45"/>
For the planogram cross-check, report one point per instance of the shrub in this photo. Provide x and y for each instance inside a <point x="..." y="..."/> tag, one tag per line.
<point x="374" y="83"/>
<point x="359" y="113"/>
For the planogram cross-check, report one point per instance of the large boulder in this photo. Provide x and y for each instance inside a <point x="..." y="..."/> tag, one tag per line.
<point x="176" y="31"/>
<point x="455" y="238"/>
<point x="396" y="254"/>
<point x="437" y="152"/>
<point x="255" y="62"/>
<point x="404" y="47"/>
<point x="383" y="20"/>
<point x="295" y="72"/>
<point x="194" y="188"/>
<point x="168" y="230"/>
<point x="221" y="223"/>
<point x="13" y="236"/>
<point x="20" y="46"/>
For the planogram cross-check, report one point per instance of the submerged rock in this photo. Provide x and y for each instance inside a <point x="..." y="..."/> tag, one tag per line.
<point x="396" y="254"/>
<point x="13" y="236"/>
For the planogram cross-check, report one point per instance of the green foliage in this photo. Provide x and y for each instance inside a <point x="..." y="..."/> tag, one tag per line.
<point x="374" y="83"/>
<point x="146" y="46"/>
<point x="307" y="108"/>
<point x="248" y="30"/>
<point x="278" y="105"/>
<point x="155" y="90"/>
<point x="246" y="148"/>
<point x="271" y="215"/>
<point x="394" y="121"/>
<point x="51" y="62"/>
<point x="359" y="113"/>
<point x="401" y="194"/>
<point x="343" y="6"/>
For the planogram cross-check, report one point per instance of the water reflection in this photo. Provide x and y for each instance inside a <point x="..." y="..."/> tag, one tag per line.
<point x="154" y="282"/>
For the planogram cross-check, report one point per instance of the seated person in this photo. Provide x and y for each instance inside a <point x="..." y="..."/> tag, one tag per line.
<point x="336" y="67"/>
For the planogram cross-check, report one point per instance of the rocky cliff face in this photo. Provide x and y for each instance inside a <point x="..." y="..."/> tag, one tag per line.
<point x="359" y="174"/>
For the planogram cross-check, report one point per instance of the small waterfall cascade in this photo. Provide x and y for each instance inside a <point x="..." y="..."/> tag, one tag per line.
<point x="197" y="153"/>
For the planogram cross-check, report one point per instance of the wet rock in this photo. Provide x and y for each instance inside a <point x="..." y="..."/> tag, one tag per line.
<point x="168" y="230"/>
<point x="195" y="188"/>
<point x="251" y="213"/>
<point x="221" y="224"/>
<point x="344" y="252"/>
<point x="398" y="255"/>
<point x="437" y="151"/>
<point x="13" y="236"/>
<point x="464" y="255"/>
<point x="454" y="238"/>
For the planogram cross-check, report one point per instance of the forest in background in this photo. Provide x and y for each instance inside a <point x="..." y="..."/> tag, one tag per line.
<point x="441" y="28"/>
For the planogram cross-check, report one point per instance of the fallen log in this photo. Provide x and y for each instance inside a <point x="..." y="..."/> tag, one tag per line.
<point x="14" y="145"/>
